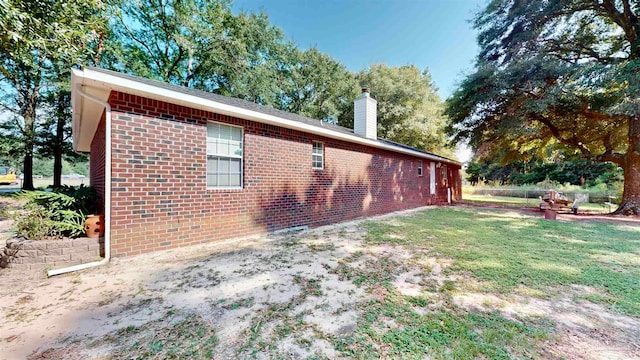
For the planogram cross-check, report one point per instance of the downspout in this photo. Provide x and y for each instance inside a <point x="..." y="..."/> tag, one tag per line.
<point x="107" y="191"/>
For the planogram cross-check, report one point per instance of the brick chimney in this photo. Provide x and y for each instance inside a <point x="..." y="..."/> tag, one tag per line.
<point x="364" y="116"/>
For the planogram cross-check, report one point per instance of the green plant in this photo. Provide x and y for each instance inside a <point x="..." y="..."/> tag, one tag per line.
<point x="32" y="222"/>
<point x="54" y="214"/>
<point x="85" y="197"/>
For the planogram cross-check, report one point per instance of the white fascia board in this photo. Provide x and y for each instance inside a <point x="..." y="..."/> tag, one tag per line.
<point x="76" y="108"/>
<point x="134" y="87"/>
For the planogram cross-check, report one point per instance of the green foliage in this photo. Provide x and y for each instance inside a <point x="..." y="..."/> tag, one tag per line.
<point x="315" y="85"/>
<point x="576" y="172"/>
<point x="409" y="108"/>
<point x="55" y="214"/>
<point x="40" y="42"/>
<point x="84" y="197"/>
<point x="206" y="46"/>
<point x="558" y="73"/>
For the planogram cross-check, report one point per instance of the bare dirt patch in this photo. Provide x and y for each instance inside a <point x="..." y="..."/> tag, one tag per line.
<point x="293" y="295"/>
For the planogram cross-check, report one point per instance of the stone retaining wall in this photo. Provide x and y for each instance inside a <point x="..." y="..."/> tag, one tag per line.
<point x="51" y="254"/>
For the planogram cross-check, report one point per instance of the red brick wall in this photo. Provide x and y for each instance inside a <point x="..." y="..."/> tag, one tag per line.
<point x="159" y="194"/>
<point x="453" y="181"/>
<point x="97" y="163"/>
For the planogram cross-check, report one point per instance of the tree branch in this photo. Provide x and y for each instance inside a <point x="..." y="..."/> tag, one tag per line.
<point x="158" y="64"/>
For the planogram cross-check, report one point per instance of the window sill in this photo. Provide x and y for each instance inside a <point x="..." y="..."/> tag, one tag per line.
<point x="230" y="188"/>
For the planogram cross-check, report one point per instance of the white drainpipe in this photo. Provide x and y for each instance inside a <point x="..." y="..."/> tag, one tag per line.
<point x="107" y="192"/>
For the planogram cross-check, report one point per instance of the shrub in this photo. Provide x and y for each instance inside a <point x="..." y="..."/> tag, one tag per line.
<point x="54" y="214"/>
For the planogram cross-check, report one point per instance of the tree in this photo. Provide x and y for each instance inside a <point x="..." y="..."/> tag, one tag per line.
<point x="166" y="39"/>
<point x="562" y="72"/>
<point x="203" y="45"/>
<point x="38" y="34"/>
<point x="409" y="108"/>
<point x="316" y="85"/>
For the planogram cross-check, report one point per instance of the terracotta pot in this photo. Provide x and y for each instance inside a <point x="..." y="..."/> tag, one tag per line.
<point x="94" y="226"/>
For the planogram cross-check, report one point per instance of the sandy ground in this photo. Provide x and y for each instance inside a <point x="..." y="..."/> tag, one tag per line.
<point x="249" y="290"/>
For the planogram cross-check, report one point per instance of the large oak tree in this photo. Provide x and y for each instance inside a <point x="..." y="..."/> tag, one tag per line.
<point x="563" y="71"/>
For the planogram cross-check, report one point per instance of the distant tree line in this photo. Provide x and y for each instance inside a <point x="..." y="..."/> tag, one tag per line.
<point x="575" y="172"/>
<point x="200" y="44"/>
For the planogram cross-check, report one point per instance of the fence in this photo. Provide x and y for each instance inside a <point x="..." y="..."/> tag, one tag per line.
<point x="603" y="197"/>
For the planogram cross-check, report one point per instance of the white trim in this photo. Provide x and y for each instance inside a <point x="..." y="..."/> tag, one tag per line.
<point x="111" y="82"/>
<point x="313" y="142"/>
<point x="226" y="156"/>
<point x="420" y="169"/>
<point x="107" y="187"/>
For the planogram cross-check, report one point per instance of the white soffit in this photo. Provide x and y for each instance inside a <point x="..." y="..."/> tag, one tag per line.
<point x="101" y="84"/>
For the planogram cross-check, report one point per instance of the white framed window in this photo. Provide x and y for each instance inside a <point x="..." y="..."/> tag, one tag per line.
<point x="224" y="156"/>
<point x="317" y="156"/>
<point x="419" y="167"/>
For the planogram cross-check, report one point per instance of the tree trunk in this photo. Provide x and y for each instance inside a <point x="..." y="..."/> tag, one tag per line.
<point x="29" y="142"/>
<point x="630" y="204"/>
<point x="27" y="171"/>
<point x="58" y="146"/>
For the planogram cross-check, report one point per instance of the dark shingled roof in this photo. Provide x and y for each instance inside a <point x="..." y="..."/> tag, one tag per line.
<point x="248" y="105"/>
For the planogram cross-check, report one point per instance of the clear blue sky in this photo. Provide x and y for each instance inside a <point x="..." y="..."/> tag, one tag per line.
<point x="433" y="34"/>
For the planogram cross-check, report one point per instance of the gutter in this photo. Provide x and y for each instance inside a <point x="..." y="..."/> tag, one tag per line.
<point x="107" y="191"/>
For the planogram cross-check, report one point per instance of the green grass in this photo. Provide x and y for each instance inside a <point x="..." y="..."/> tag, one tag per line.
<point x="447" y="333"/>
<point x="533" y="202"/>
<point x="444" y="332"/>
<point x="508" y="252"/>
<point x="504" y="252"/>
<point x="190" y="337"/>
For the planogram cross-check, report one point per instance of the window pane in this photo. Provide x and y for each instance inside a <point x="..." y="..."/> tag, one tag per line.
<point x="236" y="134"/>
<point x="223" y="166"/>
<point x="212" y="165"/>
<point x="223" y="180"/>
<point x="317" y="147"/>
<point x="235" y="147"/>
<point x="211" y="146"/>
<point x="212" y="180"/>
<point x="225" y="132"/>
<point x="234" y="180"/>
<point x="234" y="166"/>
<point x="223" y="147"/>
<point x="213" y="130"/>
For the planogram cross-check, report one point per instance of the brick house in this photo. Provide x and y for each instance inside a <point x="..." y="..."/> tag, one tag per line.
<point x="175" y="166"/>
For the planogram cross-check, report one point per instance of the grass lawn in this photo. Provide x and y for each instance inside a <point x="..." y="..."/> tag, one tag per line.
<point x="518" y="201"/>
<point x="504" y="253"/>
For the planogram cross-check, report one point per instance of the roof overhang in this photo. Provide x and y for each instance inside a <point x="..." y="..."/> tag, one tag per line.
<point x="87" y="113"/>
